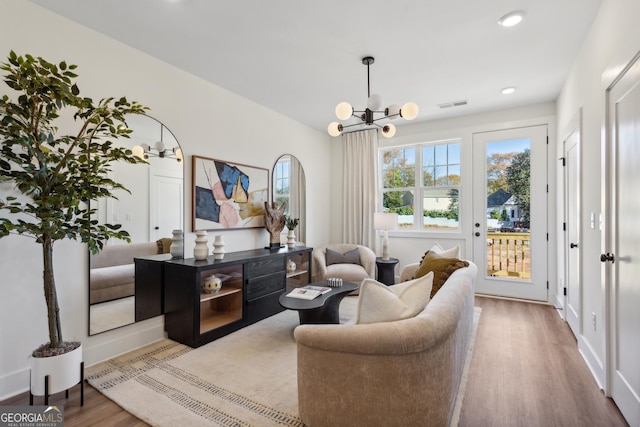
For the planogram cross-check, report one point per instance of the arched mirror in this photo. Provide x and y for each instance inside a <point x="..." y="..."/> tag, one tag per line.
<point x="289" y="186"/>
<point x="150" y="213"/>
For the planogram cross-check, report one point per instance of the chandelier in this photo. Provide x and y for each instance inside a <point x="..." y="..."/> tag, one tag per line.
<point x="158" y="150"/>
<point x="367" y="117"/>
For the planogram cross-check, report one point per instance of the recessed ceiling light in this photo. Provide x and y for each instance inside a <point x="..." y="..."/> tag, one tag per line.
<point x="511" y="19"/>
<point x="508" y="90"/>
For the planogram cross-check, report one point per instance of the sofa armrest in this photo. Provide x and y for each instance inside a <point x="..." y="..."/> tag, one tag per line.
<point x="368" y="261"/>
<point x="409" y="271"/>
<point x="319" y="264"/>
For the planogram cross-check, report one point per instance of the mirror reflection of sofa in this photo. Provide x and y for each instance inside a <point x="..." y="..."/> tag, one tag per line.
<point x="112" y="270"/>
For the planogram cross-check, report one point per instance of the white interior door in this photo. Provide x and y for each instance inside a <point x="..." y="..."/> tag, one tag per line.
<point x="622" y="238"/>
<point x="166" y="205"/>
<point x="572" y="236"/>
<point x="510" y="212"/>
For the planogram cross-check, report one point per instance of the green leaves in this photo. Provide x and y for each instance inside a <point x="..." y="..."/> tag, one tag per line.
<point x="56" y="173"/>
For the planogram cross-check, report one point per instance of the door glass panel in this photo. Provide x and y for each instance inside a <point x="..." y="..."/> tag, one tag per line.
<point x="508" y="209"/>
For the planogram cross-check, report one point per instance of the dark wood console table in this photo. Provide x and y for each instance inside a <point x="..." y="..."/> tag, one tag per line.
<point x="252" y="282"/>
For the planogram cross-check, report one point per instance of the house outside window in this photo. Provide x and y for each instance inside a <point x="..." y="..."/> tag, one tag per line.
<point x="421" y="183"/>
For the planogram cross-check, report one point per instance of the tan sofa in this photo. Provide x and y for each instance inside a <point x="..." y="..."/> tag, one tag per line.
<point x="112" y="271"/>
<point x="401" y="373"/>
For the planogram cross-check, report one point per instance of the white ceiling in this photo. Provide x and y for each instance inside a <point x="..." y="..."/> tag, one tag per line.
<point x="301" y="58"/>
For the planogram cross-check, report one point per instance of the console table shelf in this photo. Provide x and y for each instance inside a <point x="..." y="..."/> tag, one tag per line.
<point x="252" y="282"/>
<point x="220" y="293"/>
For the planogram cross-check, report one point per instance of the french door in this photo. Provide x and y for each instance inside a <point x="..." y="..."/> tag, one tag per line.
<point x="510" y="212"/>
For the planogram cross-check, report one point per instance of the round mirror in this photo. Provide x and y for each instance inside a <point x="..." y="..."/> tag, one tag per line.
<point x="150" y="213"/>
<point x="289" y="187"/>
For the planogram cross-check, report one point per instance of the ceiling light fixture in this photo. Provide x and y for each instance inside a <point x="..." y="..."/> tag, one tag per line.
<point x="508" y="90"/>
<point x="145" y="150"/>
<point x="366" y="117"/>
<point x="511" y="19"/>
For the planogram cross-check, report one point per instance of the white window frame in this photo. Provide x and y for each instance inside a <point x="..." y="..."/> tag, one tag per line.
<point x="419" y="190"/>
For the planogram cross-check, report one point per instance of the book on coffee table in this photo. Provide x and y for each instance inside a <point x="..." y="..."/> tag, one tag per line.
<point x="321" y="289"/>
<point x="308" y="292"/>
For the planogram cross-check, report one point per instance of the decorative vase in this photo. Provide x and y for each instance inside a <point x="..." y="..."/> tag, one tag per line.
<point x="63" y="371"/>
<point x="291" y="238"/>
<point x="218" y="247"/>
<point x="177" y="244"/>
<point x="211" y="284"/>
<point x="291" y="266"/>
<point x="201" y="250"/>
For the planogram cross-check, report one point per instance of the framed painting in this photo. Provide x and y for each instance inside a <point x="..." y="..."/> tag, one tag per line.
<point x="228" y="195"/>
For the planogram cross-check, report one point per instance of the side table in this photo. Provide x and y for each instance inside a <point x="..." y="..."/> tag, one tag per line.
<point x="386" y="270"/>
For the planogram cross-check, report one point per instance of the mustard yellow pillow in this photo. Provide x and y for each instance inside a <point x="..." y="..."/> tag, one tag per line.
<point x="442" y="268"/>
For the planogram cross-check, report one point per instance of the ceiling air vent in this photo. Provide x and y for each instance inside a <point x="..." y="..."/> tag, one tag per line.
<point x="453" y="104"/>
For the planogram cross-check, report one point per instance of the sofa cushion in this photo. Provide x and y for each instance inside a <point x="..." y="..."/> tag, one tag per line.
<point x="117" y="275"/>
<point x="349" y="257"/>
<point x="381" y="303"/>
<point x="442" y="267"/>
<point x="453" y="252"/>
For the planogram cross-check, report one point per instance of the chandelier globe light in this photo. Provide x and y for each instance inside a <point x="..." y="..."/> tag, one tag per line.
<point x="159" y="149"/>
<point x="367" y="117"/>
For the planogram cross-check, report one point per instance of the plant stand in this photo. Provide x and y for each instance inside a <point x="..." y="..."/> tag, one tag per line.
<point x="50" y="375"/>
<point x="66" y="392"/>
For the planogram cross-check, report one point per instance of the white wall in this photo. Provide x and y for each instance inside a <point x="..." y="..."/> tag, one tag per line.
<point x="205" y="120"/>
<point x="409" y="247"/>
<point x="613" y="40"/>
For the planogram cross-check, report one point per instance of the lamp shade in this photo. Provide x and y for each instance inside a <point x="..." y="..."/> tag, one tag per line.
<point x="334" y="128"/>
<point x="374" y="102"/>
<point x="393" y="111"/>
<point x="409" y="111"/>
<point x="388" y="130"/>
<point x="344" y="110"/>
<point x="385" y="221"/>
<point x="138" y="151"/>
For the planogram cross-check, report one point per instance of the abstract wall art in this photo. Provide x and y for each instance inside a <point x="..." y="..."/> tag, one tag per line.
<point x="228" y="195"/>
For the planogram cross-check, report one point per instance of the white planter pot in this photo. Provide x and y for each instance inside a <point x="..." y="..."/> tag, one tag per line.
<point x="63" y="371"/>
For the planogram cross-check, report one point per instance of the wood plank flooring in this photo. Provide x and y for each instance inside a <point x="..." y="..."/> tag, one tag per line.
<point x="526" y="371"/>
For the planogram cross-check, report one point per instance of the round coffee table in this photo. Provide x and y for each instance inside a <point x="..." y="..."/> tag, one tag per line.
<point x="322" y="309"/>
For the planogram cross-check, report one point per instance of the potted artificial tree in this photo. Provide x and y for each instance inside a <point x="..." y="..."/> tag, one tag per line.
<point x="54" y="176"/>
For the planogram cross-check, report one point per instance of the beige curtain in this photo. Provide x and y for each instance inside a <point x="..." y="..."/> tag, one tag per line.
<point x="360" y="187"/>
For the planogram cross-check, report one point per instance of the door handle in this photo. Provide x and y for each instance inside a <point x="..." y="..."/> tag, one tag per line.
<point x="607" y="258"/>
<point x="573" y="245"/>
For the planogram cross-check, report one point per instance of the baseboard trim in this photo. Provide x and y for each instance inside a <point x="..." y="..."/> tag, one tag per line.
<point x="14" y="383"/>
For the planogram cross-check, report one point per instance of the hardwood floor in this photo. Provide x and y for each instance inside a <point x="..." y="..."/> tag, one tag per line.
<point x="526" y="371"/>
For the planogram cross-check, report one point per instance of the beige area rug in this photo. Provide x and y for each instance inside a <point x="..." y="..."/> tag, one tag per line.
<point x="247" y="378"/>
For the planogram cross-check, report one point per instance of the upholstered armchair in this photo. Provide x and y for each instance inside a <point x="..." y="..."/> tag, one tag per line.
<point x="351" y="270"/>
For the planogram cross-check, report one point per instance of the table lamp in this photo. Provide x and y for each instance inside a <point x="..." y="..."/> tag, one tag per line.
<point x="385" y="222"/>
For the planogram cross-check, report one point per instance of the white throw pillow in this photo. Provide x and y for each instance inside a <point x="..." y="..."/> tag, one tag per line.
<point x="446" y="253"/>
<point x="378" y="302"/>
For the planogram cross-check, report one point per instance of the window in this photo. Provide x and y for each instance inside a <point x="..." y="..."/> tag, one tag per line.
<point x="421" y="184"/>
<point x="282" y="188"/>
